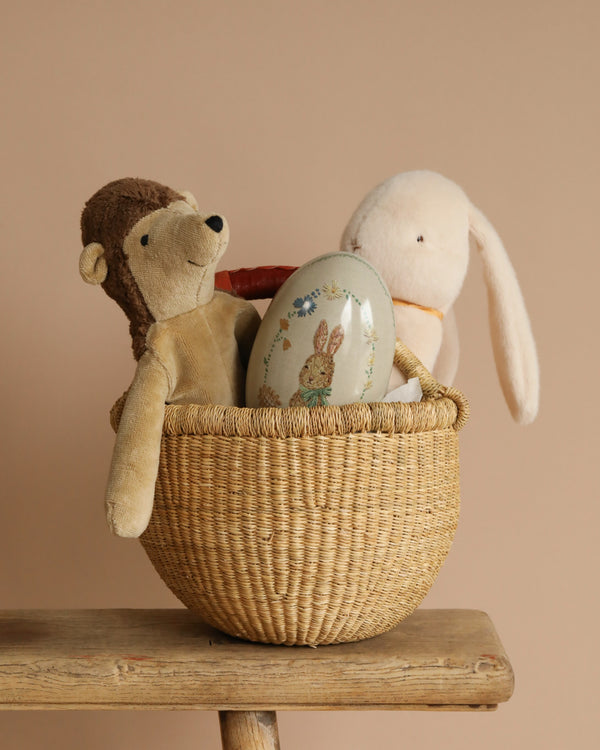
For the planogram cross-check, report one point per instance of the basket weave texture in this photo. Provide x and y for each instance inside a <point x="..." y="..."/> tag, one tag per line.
<point x="307" y="526"/>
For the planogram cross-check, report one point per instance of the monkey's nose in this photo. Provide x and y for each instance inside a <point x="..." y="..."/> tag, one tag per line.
<point x="215" y="223"/>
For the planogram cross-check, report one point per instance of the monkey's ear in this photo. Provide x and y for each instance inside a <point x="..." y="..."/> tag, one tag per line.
<point x="92" y="264"/>
<point x="189" y="198"/>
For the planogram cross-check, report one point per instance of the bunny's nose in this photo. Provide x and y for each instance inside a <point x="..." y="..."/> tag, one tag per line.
<point x="215" y="223"/>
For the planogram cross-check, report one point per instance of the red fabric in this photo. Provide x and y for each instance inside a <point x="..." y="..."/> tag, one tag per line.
<point x="261" y="282"/>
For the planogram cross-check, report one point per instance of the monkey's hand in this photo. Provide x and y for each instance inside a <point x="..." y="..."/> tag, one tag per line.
<point x="134" y="467"/>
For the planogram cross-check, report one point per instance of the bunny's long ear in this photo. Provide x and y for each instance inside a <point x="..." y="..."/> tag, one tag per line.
<point x="320" y="337"/>
<point x="335" y="340"/>
<point x="512" y="338"/>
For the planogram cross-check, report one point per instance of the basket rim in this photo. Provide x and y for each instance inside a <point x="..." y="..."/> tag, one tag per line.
<point x="442" y="408"/>
<point x="448" y="411"/>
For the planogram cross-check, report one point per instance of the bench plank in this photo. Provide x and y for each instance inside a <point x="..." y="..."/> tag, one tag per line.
<point x="169" y="659"/>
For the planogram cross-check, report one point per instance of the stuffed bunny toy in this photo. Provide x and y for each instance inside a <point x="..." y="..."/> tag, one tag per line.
<point x="415" y="229"/>
<point x="317" y="374"/>
<point x="154" y="252"/>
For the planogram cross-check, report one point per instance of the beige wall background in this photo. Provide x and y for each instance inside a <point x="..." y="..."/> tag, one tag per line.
<point x="282" y="115"/>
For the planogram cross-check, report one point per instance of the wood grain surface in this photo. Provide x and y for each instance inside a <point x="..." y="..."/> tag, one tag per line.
<point x="250" y="730"/>
<point x="169" y="659"/>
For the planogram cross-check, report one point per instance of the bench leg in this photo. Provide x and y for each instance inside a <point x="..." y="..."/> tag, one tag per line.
<point x="249" y="730"/>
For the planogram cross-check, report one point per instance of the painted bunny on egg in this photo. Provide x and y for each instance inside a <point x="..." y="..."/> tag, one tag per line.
<point x="317" y="374"/>
<point x="415" y="229"/>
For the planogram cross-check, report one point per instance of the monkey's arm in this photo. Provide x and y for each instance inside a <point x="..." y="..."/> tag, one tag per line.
<point x="134" y="467"/>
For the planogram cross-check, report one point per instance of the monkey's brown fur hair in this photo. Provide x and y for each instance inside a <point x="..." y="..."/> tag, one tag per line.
<point x="107" y="218"/>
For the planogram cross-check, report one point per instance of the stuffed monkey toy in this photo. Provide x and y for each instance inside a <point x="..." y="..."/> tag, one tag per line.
<point x="155" y="254"/>
<point x="415" y="229"/>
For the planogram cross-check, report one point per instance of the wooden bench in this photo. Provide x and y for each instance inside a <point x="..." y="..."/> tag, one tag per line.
<point x="168" y="659"/>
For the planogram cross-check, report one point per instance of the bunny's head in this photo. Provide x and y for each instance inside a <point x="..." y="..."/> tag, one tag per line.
<point x="319" y="367"/>
<point x="415" y="229"/>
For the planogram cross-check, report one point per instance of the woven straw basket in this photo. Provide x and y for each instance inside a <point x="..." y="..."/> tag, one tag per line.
<point x="307" y="526"/>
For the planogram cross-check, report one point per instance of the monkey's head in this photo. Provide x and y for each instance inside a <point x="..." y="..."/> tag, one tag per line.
<point x="152" y="251"/>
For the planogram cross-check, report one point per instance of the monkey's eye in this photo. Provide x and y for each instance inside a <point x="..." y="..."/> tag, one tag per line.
<point x="144" y="240"/>
<point x="420" y="238"/>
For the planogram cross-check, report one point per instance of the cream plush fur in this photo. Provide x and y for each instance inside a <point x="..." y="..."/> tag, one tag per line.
<point x="415" y="229"/>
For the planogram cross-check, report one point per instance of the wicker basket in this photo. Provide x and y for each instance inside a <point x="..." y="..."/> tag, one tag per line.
<point x="307" y="526"/>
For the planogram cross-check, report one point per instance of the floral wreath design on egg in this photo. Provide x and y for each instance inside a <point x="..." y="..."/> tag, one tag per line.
<point x="304" y="307"/>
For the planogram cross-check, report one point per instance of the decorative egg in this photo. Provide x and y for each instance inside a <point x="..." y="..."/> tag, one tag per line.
<point x="328" y="337"/>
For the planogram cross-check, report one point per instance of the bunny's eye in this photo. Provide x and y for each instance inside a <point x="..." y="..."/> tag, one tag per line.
<point x="420" y="238"/>
<point x="144" y="240"/>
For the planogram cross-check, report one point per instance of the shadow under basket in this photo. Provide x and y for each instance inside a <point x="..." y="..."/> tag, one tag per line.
<point x="303" y="526"/>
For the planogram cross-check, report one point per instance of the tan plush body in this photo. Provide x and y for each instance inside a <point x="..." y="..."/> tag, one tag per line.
<point x="201" y="364"/>
<point x="155" y="254"/>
